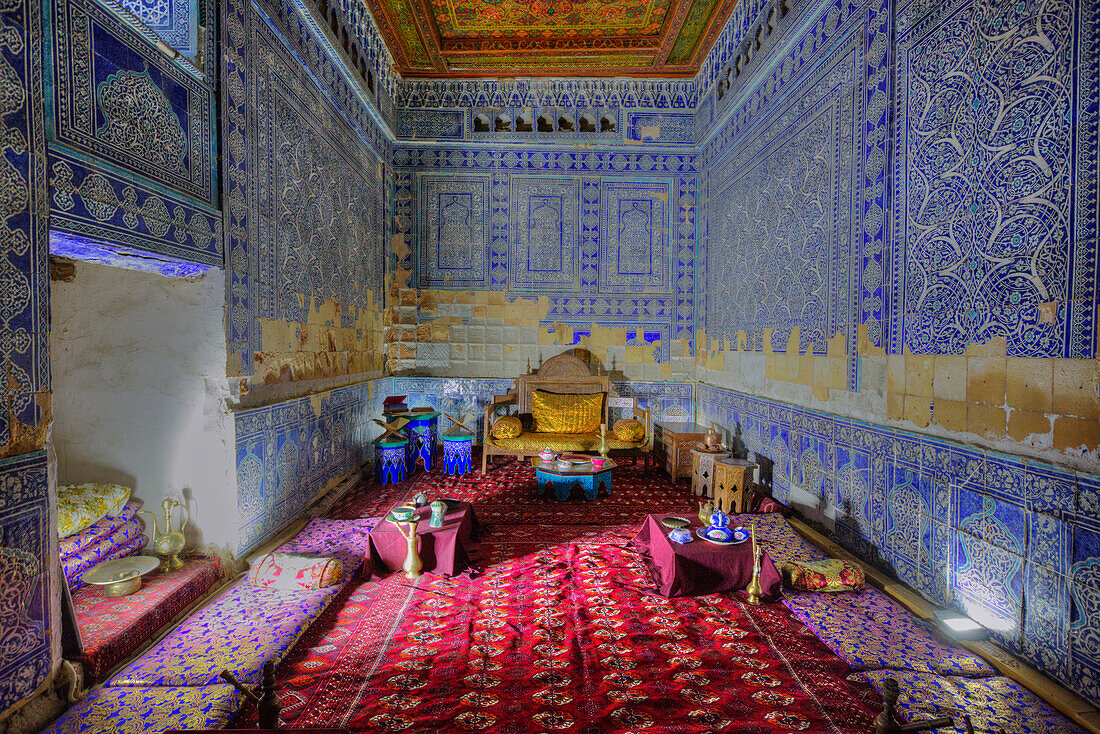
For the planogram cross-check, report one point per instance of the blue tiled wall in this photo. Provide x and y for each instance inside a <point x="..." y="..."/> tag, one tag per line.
<point x="303" y="168"/>
<point x="27" y="552"/>
<point x="290" y="451"/>
<point x="1013" y="542"/>
<point x="906" y="168"/>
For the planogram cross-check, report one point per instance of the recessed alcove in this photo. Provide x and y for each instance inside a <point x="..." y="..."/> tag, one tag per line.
<point x="140" y="396"/>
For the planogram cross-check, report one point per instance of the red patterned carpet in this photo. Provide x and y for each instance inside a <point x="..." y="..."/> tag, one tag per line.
<point x="561" y="632"/>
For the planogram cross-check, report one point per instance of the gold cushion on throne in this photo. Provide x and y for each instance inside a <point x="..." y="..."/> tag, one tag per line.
<point x="556" y="413"/>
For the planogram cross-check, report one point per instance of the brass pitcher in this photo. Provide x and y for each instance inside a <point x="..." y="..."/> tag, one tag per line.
<point x="169" y="543"/>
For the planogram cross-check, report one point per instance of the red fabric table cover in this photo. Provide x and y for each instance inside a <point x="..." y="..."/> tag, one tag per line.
<point x="699" y="568"/>
<point x="444" y="551"/>
<point x="113" y="628"/>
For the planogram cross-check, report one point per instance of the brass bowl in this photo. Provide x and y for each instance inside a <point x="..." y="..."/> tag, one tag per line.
<point x="122" y="576"/>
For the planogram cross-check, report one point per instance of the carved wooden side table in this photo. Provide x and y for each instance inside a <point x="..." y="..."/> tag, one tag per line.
<point x="672" y="445"/>
<point x="702" y="472"/>
<point x="731" y="478"/>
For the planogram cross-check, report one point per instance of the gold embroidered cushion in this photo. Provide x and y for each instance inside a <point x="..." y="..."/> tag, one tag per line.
<point x="629" y="429"/>
<point x="831" y="574"/>
<point x="295" y="573"/>
<point x="507" y="427"/>
<point x="563" y="413"/>
<point x="81" y="505"/>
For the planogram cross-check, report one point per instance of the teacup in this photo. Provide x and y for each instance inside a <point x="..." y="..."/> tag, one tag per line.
<point x="598" y="461"/>
<point x="403" y="513"/>
<point x="680" y="535"/>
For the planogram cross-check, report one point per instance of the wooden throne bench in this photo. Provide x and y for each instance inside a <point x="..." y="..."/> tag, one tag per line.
<point x="564" y="375"/>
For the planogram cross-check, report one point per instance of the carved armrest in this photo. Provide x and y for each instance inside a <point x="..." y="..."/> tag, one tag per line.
<point x="642" y="414"/>
<point x="498" y="402"/>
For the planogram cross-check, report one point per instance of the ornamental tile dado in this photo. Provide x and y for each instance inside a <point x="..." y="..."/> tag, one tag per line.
<point x="119" y="99"/>
<point x="25" y="563"/>
<point x="996" y="167"/>
<point x="934" y="513"/>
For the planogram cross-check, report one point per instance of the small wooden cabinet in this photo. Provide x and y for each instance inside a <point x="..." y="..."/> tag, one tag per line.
<point x="732" y="477"/>
<point x="672" y="445"/>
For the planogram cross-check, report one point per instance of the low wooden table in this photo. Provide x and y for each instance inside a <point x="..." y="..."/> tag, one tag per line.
<point x="672" y="445"/>
<point x="586" y="477"/>
<point x="702" y="471"/>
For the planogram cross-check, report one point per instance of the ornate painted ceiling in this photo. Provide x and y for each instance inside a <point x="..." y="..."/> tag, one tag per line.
<point x="447" y="38"/>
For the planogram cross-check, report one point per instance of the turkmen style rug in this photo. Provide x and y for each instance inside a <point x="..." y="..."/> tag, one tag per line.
<point x="561" y="631"/>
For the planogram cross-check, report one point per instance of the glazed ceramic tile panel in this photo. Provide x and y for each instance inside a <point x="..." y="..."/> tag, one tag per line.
<point x="608" y="237"/>
<point x="24" y="320"/>
<point x="98" y="210"/>
<point x="1013" y="542"/>
<point x="797" y="185"/>
<point x="995" y="218"/>
<point x="303" y="172"/>
<point x="175" y="21"/>
<point x="289" y="452"/>
<point x="27" y="557"/>
<point x="118" y="99"/>
<point x="26" y="560"/>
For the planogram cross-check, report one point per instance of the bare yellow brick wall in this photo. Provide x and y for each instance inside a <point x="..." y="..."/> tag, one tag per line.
<point x="320" y="347"/>
<point x="485" y="334"/>
<point x="1041" y="404"/>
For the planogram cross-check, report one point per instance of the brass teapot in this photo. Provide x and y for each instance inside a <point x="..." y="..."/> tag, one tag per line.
<point x="169" y="543"/>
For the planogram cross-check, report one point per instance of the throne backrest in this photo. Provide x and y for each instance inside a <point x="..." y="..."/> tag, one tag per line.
<point x="562" y="374"/>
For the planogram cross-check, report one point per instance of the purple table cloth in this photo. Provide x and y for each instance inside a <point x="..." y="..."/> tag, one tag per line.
<point x="444" y="551"/>
<point x="698" y="568"/>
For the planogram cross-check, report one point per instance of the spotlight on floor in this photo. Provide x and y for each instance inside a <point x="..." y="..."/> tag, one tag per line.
<point x="958" y="626"/>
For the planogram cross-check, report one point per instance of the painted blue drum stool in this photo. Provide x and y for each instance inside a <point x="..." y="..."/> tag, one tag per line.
<point x="589" y="479"/>
<point x="390" y="455"/>
<point x="457" y="452"/>
<point x="422" y="430"/>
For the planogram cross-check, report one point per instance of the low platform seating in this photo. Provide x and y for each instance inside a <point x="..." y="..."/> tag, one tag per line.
<point x="175" y="684"/>
<point x="150" y="710"/>
<point x="112" y="629"/>
<point x="993" y="704"/>
<point x="558" y="379"/>
<point x="871" y="631"/>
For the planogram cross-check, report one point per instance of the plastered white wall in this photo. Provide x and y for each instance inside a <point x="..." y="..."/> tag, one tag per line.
<point x="140" y="393"/>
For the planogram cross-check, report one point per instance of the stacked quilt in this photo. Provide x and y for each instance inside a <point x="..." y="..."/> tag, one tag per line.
<point x="104" y="540"/>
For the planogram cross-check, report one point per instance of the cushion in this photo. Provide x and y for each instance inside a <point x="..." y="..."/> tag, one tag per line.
<point x="507" y="427"/>
<point x="871" y="631"/>
<point x="831" y="574"/>
<point x="127" y="540"/>
<point x="629" y="429"/>
<point x="994" y="704"/>
<point x="80" y="505"/>
<point x="295" y="573"/>
<point x="580" y="442"/>
<point x="568" y="413"/>
<point x="782" y="542"/>
<point x="96" y="532"/>
<point x="149" y="710"/>
<point x="347" y="540"/>
<point x="761" y="504"/>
